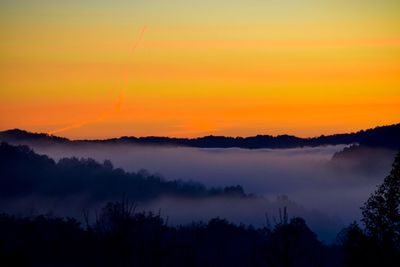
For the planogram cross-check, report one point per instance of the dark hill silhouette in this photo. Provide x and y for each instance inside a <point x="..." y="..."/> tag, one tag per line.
<point x="363" y="159"/>
<point x="23" y="172"/>
<point x="383" y="136"/>
<point x="372" y="153"/>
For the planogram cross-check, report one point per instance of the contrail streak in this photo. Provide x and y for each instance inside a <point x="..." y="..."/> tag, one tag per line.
<point x="118" y="104"/>
<point x="139" y="39"/>
<point x="103" y="116"/>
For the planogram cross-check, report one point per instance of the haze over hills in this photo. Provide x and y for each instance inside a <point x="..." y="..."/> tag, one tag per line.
<point x="367" y="151"/>
<point x="306" y="172"/>
<point x="382" y="136"/>
<point x="24" y="172"/>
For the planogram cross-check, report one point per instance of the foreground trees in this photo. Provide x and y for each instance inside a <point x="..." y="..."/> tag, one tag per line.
<point x="379" y="243"/>
<point x="121" y="237"/>
<point x="381" y="213"/>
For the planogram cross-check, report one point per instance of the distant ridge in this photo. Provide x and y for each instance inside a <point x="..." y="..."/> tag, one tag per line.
<point x="382" y="136"/>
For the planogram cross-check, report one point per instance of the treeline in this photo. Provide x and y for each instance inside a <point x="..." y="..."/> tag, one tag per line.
<point x="23" y="172"/>
<point x="384" y="136"/>
<point x="121" y="237"/>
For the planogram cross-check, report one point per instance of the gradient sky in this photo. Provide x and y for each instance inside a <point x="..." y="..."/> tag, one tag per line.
<point x="104" y="68"/>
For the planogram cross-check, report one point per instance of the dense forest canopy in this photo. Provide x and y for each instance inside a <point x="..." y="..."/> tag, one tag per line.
<point x="24" y="172"/>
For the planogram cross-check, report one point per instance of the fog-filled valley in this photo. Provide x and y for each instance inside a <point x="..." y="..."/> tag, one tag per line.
<point x="326" y="193"/>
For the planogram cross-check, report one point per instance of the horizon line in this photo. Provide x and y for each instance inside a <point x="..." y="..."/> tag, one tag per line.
<point x="199" y="137"/>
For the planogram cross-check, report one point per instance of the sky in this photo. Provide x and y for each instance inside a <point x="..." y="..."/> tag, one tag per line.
<point x="107" y="68"/>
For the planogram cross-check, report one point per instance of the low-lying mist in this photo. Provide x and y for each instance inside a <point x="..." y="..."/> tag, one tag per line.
<point x="328" y="198"/>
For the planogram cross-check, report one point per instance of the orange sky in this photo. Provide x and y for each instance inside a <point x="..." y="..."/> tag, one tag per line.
<point x="110" y="68"/>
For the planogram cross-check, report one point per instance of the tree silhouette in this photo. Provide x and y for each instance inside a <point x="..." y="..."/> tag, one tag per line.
<point x="381" y="214"/>
<point x="379" y="243"/>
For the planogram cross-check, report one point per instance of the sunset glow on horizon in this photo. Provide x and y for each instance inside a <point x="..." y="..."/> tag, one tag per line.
<point x="100" y="69"/>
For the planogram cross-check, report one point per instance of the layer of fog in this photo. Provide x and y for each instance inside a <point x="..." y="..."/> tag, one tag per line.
<point x="326" y="198"/>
